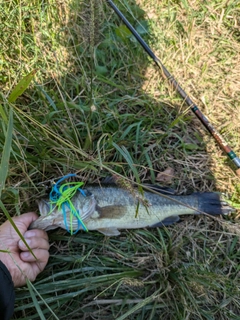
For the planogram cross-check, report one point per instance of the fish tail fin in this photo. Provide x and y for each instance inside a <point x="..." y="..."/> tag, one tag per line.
<point x="213" y="203"/>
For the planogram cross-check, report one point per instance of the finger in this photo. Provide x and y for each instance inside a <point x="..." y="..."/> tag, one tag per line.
<point x="26" y="219"/>
<point x="41" y="255"/>
<point x="33" y="243"/>
<point x="36" y="233"/>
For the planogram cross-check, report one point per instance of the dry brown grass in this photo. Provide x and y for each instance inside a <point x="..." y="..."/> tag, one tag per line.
<point x="204" y="56"/>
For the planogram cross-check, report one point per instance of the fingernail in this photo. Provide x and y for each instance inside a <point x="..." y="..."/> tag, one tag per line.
<point x="30" y="233"/>
<point x="22" y="244"/>
<point x="25" y="255"/>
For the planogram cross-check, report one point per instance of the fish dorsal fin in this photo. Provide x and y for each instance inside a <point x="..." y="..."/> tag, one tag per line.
<point x="109" y="232"/>
<point x="111" y="181"/>
<point x="160" y="189"/>
<point x="166" y="222"/>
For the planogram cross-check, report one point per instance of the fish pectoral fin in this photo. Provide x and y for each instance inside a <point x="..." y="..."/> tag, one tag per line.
<point x="166" y="222"/>
<point x="109" y="232"/>
<point x="111" y="212"/>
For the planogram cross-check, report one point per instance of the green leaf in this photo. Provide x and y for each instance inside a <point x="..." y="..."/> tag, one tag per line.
<point x="21" y="86"/>
<point x="123" y="32"/>
<point x="142" y="27"/>
<point x="6" y="153"/>
<point x="101" y="70"/>
<point x="190" y="146"/>
<point x="137" y="12"/>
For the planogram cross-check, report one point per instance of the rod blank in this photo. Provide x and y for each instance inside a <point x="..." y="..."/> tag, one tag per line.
<point x="217" y="136"/>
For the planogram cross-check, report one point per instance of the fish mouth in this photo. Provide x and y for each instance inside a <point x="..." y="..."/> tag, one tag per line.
<point x="51" y="217"/>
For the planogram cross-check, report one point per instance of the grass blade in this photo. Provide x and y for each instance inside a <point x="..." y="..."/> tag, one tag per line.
<point x="15" y="227"/>
<point x="3" y="114"/>
<point x="33" y="296"/>
<point x="21" y="86"/>
<point x="31" y="289"/>
<point x="124" y="152"/>
<point x="6" y="153"/>
<point x="139" y="306"/>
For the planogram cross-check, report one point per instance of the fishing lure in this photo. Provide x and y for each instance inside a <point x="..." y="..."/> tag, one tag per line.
<point x="61" y="197"/>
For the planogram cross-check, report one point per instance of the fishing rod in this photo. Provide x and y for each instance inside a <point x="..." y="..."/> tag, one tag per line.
<point x="218" y="137"/>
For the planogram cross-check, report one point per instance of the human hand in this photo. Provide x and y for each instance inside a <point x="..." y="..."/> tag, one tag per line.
<point x="20" y="262"/>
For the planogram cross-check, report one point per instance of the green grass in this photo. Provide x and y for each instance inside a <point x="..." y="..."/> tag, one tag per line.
<point x="98" y="105"/>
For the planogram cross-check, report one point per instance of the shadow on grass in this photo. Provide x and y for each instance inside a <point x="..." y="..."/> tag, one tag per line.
<point x="105" y="101"/>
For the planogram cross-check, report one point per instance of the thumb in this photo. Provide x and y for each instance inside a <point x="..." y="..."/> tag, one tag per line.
<point x="25" y="219"/>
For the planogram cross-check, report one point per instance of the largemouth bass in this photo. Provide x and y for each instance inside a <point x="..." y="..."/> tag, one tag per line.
<point x="110" y="209"/>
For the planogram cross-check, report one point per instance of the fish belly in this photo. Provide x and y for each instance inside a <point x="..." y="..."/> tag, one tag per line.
<point x="123" y="217"/>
